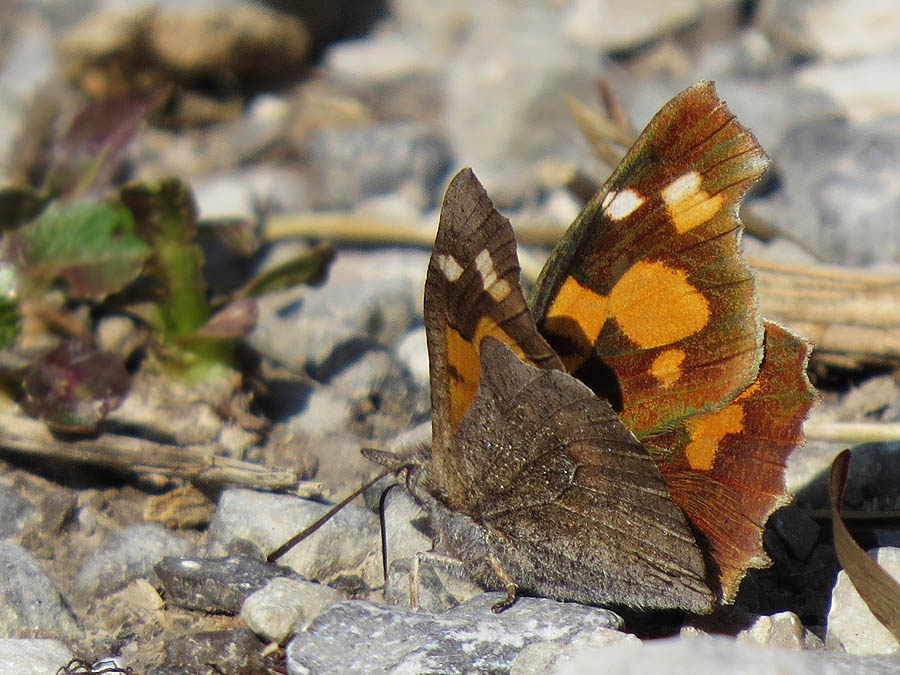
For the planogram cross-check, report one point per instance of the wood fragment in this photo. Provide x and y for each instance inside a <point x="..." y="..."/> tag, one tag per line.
<point x="201" y="463"/>
<point x="851" y="315"/>
<point x="852" y="432"/>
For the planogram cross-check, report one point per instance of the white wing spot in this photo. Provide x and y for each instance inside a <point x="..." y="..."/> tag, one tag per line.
<point x="623" y="203"/>
<point x="680" y="189"/>
<point x="497" y="288"/>
<point x="449" y="267"/>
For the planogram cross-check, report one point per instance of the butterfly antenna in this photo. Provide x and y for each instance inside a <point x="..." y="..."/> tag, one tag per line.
<point x="303" y="534"/>
<point x="382" y="508"/>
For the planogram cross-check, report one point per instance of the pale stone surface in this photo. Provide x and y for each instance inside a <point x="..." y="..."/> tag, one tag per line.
<point x="851" y="625"/>
<point x="285" y="606"/>
<point x="783" y="629"/>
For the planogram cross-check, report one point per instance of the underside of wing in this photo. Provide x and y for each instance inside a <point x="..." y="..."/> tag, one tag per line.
<point x="572" y="505"/>
<point x="471" y="291"/>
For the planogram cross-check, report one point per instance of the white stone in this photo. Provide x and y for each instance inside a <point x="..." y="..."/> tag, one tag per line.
<point x="618" y="24"/>
<point x="851" y="625"/>
<point x="783" y="629"/>
<point x="286" y="606"/>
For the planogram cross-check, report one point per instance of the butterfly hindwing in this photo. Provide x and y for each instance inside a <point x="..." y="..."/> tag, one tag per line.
<point x="725" y="468"/>
<point x="571" y="502"/>
<point x="646" y="298"/>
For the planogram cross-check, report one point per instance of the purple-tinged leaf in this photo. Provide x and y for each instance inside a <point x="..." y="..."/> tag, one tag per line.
<point x="75" y="386"/>
<point x="235" y="320"/>
<point x="87" y="157"/>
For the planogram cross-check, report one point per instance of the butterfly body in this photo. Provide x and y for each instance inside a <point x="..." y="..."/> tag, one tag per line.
<point x="603" y="445"/>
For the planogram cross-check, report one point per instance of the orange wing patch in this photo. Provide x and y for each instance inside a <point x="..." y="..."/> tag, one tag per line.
<point x="577" y="314"/>
<point x="464" y="359"/>
<point x="666" y="367"/>
<point x="679" y="309"/>
<point x="687" y="205"/>
<point x="706" y="433"/>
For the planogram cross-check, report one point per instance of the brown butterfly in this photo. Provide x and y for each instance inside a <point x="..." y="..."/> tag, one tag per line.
<point x="623" y="440"/>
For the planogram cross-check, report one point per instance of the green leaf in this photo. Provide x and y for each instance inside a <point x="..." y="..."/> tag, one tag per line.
<point x="10" y="323"/>
<point x="165" y="217"/>
<point x="308" y="268"/>
<point x="91" y="245"/>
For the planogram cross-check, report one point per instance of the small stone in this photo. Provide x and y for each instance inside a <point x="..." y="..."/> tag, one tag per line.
<point x="714" y="654"/>
<point x="545" y="657"/>
<point x="226" y="651"/>
<point x="351" y="164"/>
<point x="15" y="512"/>
<point x="783" y="629"/>
<point x="837" y="29"/>
<point x="865" y="90"/>
<point x="621" y="24"/>
<point x="218" y="585"/>
<point x="286" y="606"/>
<point x="505" y="112"/>
<point x="33" y="656"/>
<point x="30" y="605"/>
<point x="796" y="529"/>
<point x="348" y="546"/>
<point x="851" y="624"/>
<point x="412" y="351"/>
<point x="128" y="554"/>
<point x="838" y="181"/>
<point x="375" y="296"/>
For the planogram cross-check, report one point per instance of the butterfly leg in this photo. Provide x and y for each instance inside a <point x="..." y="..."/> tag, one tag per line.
<point x="415" y="574"/>
<point x="508" y="585"/>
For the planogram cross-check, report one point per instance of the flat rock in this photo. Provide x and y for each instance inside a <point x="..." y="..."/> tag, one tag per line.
<point x="128" y="554"/>
<point x="219" y="585"/>
<point x="711" y="655"/>
<point x="33" y="656"/>
<point x="505" y="99"/>
<point x="370" y="296"/>
<point x="285" y="606"/>
<point x="360" y="636"/>
<point x="838" y="181"/>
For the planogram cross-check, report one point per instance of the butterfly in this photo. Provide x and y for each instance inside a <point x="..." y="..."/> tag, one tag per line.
<point x="621" y="438"/>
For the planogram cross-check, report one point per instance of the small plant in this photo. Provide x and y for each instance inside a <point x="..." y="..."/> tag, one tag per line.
<point x="75" y="243"/>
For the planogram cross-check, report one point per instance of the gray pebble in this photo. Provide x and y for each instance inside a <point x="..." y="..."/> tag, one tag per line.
<point x="29" y="602"/>
<point x="128" y="554"/>
<point x="347" y="547"/>
<point x="218" y="586"/>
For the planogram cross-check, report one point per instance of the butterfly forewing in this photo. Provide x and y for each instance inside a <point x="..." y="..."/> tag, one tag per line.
<point x="471" y="291"/>
<point x="646" y="298"/>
